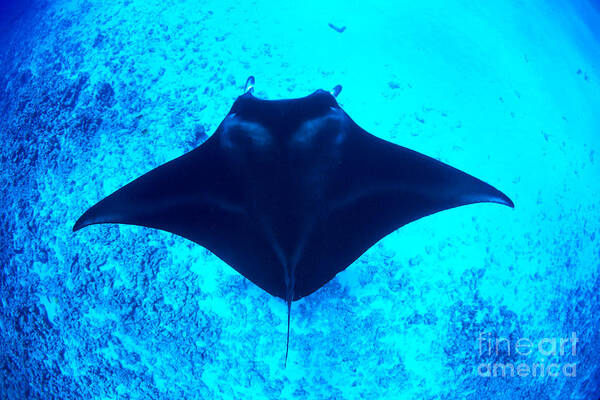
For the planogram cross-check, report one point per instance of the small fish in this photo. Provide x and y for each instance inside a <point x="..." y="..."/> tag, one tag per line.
<point x="339" y="29"/>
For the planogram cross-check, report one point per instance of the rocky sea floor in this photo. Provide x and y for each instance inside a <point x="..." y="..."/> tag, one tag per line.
<point x="92" y="95"/>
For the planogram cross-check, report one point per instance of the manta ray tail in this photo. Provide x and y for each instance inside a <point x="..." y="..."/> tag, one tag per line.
<point x="287" y="343"/>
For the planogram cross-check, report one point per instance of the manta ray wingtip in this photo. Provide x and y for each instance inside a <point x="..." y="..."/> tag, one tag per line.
<point x="90" y="217"/>
<point x="80" y="223"/>
<point x="508" y="202"/>
<point x="481" y="192"/>
<point x="498" y="198"/>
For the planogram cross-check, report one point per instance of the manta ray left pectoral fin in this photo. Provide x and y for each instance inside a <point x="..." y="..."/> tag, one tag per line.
<point x="193" y="196"/>
<point x="167" y="197"/>
<point x="199" y="197"/>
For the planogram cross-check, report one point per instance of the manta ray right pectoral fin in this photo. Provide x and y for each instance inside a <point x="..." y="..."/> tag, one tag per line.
<point x="381" y="187"/>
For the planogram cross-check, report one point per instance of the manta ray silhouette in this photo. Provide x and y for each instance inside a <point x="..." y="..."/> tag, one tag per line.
<point x="290" y="192"/>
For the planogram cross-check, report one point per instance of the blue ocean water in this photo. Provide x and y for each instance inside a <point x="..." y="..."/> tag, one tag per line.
<point x="478" y="302"/>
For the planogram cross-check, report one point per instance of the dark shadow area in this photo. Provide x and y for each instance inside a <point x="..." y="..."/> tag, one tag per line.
<point x="11" y="11"/>
<point x="589" y="12"/>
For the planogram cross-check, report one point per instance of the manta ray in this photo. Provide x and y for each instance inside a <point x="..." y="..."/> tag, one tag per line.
<point x="290" y="192"/>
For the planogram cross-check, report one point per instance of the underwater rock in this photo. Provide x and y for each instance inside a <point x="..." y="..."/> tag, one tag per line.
<point x="25" y="77"/>
<point x="88" y="124"/>
<point x="106" y="95"/>
<point x="199" y="136"/>
<point x="72" y="93"/>
<point x="99" y="40"/>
